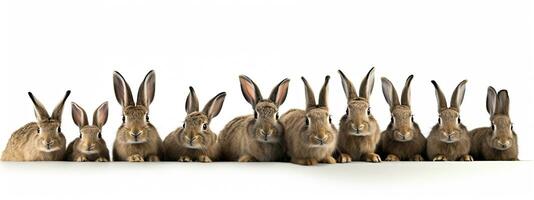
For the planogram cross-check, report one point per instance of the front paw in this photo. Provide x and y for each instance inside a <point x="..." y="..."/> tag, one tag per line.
<point x="136" y="158"/>
<point x="329" y="160"/>
<point x="81" y="159"/>
<point x="246" y="158"/>
<point x="102" y="159"/>
<point x="345" y="158"/>
<point x="440" y="158"/>
<point x="418" y="158"/>
<point x="204" y="159"/>
<point x="392" y="157"/>
<point x="307" y="162"/>
<point x="467" y="158"/>
<point x="184" y="159"/>
<point x="373" y="157"/>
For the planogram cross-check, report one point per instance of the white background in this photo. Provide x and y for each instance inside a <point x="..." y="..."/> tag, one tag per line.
<point x="48" y="47"/>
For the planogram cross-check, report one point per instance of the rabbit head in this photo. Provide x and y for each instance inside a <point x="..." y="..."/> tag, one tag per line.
<point x="90" y="135"/>
<point x="359" y="111"/>
<point x="135" y="115"/>
<point x="49" y="127"/>
<point x="318" y="130"/>
<point x="449" y="124"/>
<point x="196" y="133"/>
<point x="402" y="123"/>
<point x="266" y="127"/>
<point x="498" y="106"/>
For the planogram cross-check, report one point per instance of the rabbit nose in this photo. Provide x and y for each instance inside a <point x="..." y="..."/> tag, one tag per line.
<point x="136" y="133"/>
<point x="504" y="144"/>
<point x="321" y="139"/>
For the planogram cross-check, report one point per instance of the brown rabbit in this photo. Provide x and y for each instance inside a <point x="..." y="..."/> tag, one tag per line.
<point x="359" y="133"/>
<point x="41" y="140"/>
<point x="310" y="135"/>
<point x="402" y="140"/>
<point x="257" y="137"/>
<point x="194" y="141"/>
<point x="449" y="139"/>
<point x="498" y="142"/>
<point x="89" y="146"/>
<point x="137" y="139"/>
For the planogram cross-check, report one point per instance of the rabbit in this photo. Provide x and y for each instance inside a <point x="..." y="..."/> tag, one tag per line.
<point x="449" y="140"/>
<point x="498" y="142"/>
<point x="194" y="141"/>
<point x="310" y="135"/>
<point x="257" y="137"/>
<point x="137" y="139"/>
<point x="359" y="132"/>
<point x="402" y="140"/>
<point x="41" y="140"/>
<point x="89" y="146"/>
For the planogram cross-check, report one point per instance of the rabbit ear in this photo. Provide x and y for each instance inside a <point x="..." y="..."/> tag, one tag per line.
<point x="491" y="100"/>
<point x="191" y="104"/>
<point x="58" y="111"/>
<point x="390" y="93"/>
<point x="147" y="90"/>
<point x="406" y="92"/>
<point x="442" y="102"/>
<point x="123" y="93"/>
<point x="279" y="93"/>
<point x="323" y="95"/>
<point x="503" y="103"/>
<point x="348" y="87"/>
<point x="250" y="90"/>
<point x="78" y="115"/>
<point x="310" y="97"/>
<point x="366" y="88"/>
<point x="100" y="117"/>
<point x="214" y="106"/>
<point x="458" y="95"/>
<point x="40" y="112"/>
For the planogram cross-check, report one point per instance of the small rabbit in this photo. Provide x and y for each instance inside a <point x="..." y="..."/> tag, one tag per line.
<point x="137" y="139"/>
<point x="498" y="142"/>
<point x="89" y="146"/>
<point x="194" y="141"/>
<point x="402" y="140"/>
<point x="41" y="140"/>
<point x="449" y="139"/>
<point x="310" y="135"/>
<point x="359" y="133"/>
<point x="257" y="137"/>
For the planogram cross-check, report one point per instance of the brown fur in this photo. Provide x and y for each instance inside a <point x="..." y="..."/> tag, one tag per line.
<point x="359" y="133"/>
<point x="449" y="140"/>
<point x="257" y="137"/>
<point x="498" y="142"/>
<point x="310" y="135"/>
<point x="137" y="139"/>
<point x="41" y="140"/>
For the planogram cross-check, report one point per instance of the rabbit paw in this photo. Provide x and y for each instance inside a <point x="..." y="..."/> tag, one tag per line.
<point x="184" y="159"/>
<point x="153" y="158"/>
<point x="392" y="157"/>
<point x="373" y="157"/>
<point x="467" y="158"/>
<point x="307" y="162"/>
<point x="102" y="159"/>
<point x="418" y="158"/>
<point x="204" y="159"/>
<point x="329" y="160"/>
<point x="440" y="158"/>
<point x="81" y="159"/>
<point x="135" y="158"/>
<point x="345" y="158"/>
<point x="246" y="158"/>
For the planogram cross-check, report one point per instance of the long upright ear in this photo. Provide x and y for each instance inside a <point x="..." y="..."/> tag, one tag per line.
<point x="100" y="117"/>
<point x="58" y="111"/>
<point x="310" y="97"/>
<point x="214" y="106"/>
<point x="250" y="90"/>
<point x="145" y="96"/>
<point x="442" y="102"/>
<point x="458" y="95"/>
<point x="191" y="104"/>
<point x="390" y="93"/>
<point x="79" y="115"/>
<point x="366" y="88"/>
<point x="503" y="102"/>
<point x="348" y="87"/>
<point x="491" y="100"/>
<point x="323" y="95"/>
<point x="123" y="93"/>
<point x="406" y="98"/>
<point x="40" y="112"/>
<point x="279" y="93"/>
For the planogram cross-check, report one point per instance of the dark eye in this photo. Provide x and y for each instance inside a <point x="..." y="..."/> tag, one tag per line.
<point x="59" y="129"/>
<point x="492" y="126"/>
<point x="99" y="134"/>
<point x="147" y="118"/>
<point x="183" y="125"/>
<point x="459" y="120"/>
<point x="307" y="121"/>
<point x="329" y="119"/>
<point x="277" y="116"/>
<point x="255" y="115"/>
<point x="392" y="119"/>
<point x="369" y="111"/>
<point x="347" y="111"/>
<point x="512" y="127"/>
<point x="439" y="121"/>
<point x="123" y="119"/>
<point x="38" y="130"/>
<point x="205" y="126"/>
<point x="412" y="119"/>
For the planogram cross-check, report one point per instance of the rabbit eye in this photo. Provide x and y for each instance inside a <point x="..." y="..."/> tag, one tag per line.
<point x="493" y="126"/>
<point x="307" y="121"/>
<point x="100" y="135"/>
<point x="277" y="116"/>
<point x="439" y="121"/>
<point x="59" y="129"/>
<point x="204" y="126"/>
<point x="38" y="130"/>
<point x="329" y="119"/>
<point x="347" y="111"/>
<point x="123" y="119"/>
<point x="255" y="115"/>
<point x="369" y="111"/>
<point x="147" y="118"/>
<point x="183" y="125"/>
<point x="512" y="127"/>
<point x="459" y="120"/>
<point x="413" y="119"/>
